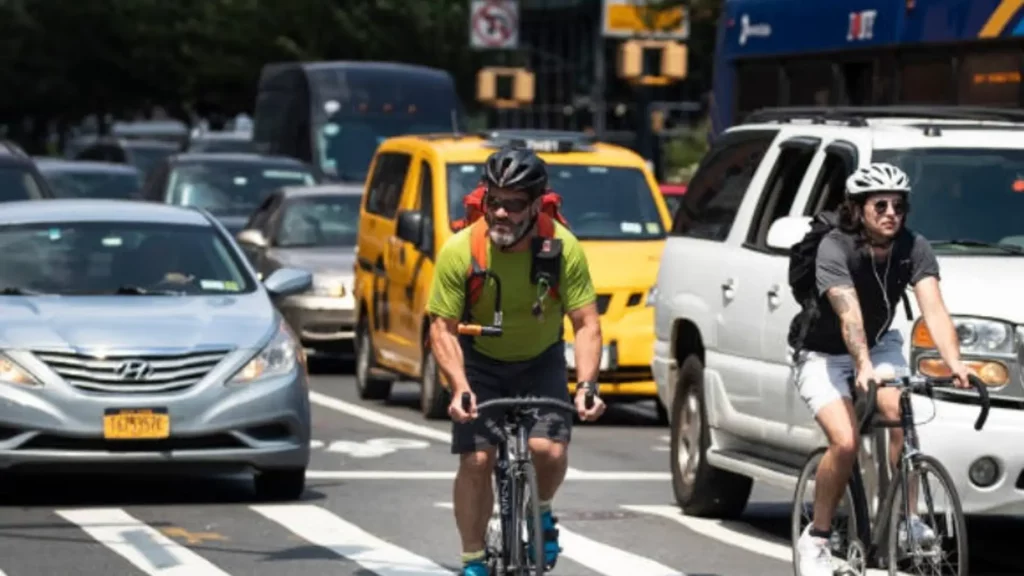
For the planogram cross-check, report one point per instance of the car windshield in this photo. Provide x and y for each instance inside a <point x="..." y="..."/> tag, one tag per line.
<point x="347" y="143"/>
<point x="18" y="183"/>
<point x="600" y="202"/>
<point x="964" y="199"/>
<point x="228" y="188"/>
<point x="320" y="221"/>
<point x="145" y="158"/>
<point x="78" y="258"/>
<point x="221" y="145"/>
<point x="94" y="184"/>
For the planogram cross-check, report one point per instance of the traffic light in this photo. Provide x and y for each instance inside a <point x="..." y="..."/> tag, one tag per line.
<point x="652" y="62"/>
<point x="504" y="87"/>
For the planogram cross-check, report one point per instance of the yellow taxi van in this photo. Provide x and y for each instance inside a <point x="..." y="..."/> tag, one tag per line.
<point x="414" y="193"/>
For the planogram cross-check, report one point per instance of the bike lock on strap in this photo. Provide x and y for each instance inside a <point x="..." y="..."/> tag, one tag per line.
<point x="480" y="329"/>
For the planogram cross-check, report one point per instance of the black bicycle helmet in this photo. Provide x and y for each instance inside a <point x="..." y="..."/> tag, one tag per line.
<point x="515" y="168"/>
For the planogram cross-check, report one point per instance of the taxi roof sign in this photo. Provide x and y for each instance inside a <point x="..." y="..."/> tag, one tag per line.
<point x="653" y="19"/>
<point x="541" y="140"/>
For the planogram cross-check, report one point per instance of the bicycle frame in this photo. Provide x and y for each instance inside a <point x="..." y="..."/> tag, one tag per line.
<point x="507" y="468"/>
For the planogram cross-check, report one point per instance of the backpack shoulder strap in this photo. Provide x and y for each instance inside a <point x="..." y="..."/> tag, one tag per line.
<point x="546" y="230"/>
<point x="478" y="247"/>
<point x="903" y="247"/>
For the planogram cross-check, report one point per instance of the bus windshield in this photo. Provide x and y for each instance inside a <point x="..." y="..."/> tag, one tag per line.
<point x="346" y="141"/>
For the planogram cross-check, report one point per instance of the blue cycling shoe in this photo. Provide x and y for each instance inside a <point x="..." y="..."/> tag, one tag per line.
<point x="475" y="568"/>
<point x="551" y="547"/>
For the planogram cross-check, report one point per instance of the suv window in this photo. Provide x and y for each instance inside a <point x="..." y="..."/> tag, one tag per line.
<point x="830" y="186"/>
<point x="426" y="203"/>
<point x="781" y="188"/>
<point x="386" y="185"/>
<point x="714" y="195"/>
<point x="964" y="194"/>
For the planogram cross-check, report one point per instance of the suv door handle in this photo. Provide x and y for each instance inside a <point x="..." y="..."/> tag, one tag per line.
<point x="729" y="289"/>
<point x="773" y="296"/>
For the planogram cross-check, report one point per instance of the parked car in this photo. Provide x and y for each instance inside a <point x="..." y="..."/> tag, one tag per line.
<point x="20" y="178"/>
<point x="723" y="306"/>
<point x="311" y="228"/>
<point x="162" y="350"/>
<point x="230" y="186"/>
<point x="88" y="179"/>
<point x="414" y="195"/>
<point x="144" y="154"/>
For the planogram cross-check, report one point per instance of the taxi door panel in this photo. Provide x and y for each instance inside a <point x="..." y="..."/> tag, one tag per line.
<point x="402" y="263"/>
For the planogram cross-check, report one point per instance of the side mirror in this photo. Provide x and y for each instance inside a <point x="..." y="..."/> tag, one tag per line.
<point x="288" y="281"/>
<point x="252" y="237"/>
<point x="410" y="227"/>
<point x="787" y="231"/>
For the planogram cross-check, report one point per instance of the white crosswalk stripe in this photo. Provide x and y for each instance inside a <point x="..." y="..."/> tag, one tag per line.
<point x="143" y="546"/>
<point x="154" y="553"/>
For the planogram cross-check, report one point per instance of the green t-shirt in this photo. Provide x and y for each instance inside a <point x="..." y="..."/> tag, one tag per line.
<point x="523" y="335"/>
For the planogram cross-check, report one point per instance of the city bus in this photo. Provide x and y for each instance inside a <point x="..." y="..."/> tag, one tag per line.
<point x="865" y="53"/>
<point x="333" y="115"/>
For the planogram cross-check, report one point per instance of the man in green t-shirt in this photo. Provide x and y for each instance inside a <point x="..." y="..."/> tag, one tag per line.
<point x="527" y="359"/>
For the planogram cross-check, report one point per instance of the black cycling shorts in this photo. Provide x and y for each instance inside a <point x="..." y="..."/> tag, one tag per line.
<point x="545" y="376"/>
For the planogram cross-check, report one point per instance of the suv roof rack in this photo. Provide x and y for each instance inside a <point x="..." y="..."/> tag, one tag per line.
<point x="859" y="115"/>
<point x="541" y="140"/>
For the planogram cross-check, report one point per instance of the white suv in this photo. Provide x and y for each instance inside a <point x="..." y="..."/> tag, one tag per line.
<point x="724" y="306"/>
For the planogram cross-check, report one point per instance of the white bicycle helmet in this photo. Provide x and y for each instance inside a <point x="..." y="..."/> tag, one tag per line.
<point x="877" y="178"/>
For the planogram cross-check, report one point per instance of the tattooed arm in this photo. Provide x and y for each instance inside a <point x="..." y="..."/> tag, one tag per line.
<point x="847" y="307"/>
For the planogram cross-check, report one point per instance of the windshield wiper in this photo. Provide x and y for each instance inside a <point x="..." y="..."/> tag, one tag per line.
<point x="140" y="291"/>
<point x="19" y="291"/>
<point x="1007" y="248"/>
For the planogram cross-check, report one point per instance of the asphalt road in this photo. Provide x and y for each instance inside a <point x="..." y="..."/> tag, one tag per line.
<point x="378" y="502"/>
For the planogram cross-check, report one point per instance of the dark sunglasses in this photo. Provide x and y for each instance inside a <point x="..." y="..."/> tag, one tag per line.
<point x="512" y="206"/>
<point x="880" y="206"/>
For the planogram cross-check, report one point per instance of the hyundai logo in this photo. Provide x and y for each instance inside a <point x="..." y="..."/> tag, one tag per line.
<point x="134" y="370"/>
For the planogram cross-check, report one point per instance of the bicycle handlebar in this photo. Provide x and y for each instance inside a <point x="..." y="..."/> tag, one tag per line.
<point x="529" y="402"/>
<point x="924" y="384"/>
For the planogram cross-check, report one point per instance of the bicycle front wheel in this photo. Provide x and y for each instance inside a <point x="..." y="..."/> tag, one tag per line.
<point x="532" y="528"/>
<point x="848" y="553"/>
<point x="941" y="547"/>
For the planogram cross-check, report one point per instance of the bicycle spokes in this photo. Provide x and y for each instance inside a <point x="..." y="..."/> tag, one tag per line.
<point x="933" y="541"/>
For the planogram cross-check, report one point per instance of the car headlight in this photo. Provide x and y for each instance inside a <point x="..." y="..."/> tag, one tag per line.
<point x="279" y="357"/>
<point x="11" y="373"/>
<point x="328" y="286"/>
<point x="652" y="296"/>
<point x="977" y="336"/>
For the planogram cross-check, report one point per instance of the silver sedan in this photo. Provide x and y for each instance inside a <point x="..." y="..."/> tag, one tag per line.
<point x="311" y="228"/>
<point x="136" y="336"/>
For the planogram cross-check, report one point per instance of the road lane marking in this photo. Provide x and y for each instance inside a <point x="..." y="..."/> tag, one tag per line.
<point x="731" y="533"/>
<point x="143" y="546"/>
<point x="601" y="558"/>
<point x="574" y="475"/>
<point x="324" y="529"/>
<point x="381" y="419"/>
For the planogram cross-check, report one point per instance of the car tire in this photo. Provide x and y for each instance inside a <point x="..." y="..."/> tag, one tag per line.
<point x="700" y="489"/>
<point x="280" y="484"/>
<point x="369" y="387"/>
<point x="434" y="397"/>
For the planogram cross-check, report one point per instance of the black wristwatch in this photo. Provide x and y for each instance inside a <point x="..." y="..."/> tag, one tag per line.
<point x="592" y="386"/>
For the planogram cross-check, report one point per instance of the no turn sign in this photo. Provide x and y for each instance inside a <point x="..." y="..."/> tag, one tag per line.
<point x="494" y="24"/>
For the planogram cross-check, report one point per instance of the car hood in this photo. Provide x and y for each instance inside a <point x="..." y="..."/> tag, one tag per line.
<point x="987" y="286"/>
<point x="318" y="259"/>
<point x="623" y="265"/>
<point x="178" y="323"/>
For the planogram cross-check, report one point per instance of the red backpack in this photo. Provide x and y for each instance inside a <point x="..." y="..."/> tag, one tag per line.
<point x="550" y="212"/>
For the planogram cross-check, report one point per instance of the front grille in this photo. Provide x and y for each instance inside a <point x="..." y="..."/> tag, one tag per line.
<point x="165" y="372"/>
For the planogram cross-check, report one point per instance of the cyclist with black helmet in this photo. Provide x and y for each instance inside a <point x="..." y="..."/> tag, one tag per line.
<point x="862" y="269"/>
<point x="527" y="359"/>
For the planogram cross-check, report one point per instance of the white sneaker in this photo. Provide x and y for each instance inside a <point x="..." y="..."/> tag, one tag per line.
<point x="923" y="533"/>
<point x="814" y="554"/>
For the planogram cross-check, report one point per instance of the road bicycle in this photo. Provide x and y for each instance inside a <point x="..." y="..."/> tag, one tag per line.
<point x="519" y="518"/>
<point x="873" y="542"/>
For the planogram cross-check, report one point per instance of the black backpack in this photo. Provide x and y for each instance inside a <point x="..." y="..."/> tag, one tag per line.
<point x="803" y="280"/>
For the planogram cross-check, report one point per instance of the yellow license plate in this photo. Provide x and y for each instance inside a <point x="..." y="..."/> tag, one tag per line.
<point x="136" y="424"/>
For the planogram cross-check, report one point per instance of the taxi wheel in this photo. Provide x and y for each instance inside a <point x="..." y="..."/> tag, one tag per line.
<point x="700" y="488"/>
<point x="280" y="484"/>
<point x="369" y="387"/>
<point x="434" y="397"/>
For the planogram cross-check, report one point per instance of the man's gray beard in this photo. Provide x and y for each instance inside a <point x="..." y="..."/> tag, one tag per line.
<point x="503" y="239"/>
